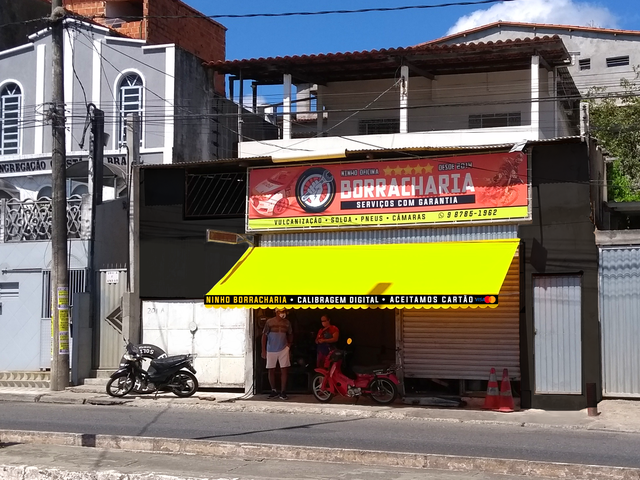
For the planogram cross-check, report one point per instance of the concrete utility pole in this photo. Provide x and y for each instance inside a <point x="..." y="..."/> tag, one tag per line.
<point x="60" y="274"/>
<point x="131" y="326"/>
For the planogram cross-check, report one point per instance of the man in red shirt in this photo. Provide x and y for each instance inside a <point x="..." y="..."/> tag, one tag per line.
<point x="326" y="339"/>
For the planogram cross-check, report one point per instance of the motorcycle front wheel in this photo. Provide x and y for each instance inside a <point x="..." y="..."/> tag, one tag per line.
<point x="316" y="386"/>
<point x="383" y="390"/>
<point x="184" y="384"/>
<point x="120" y="385"/>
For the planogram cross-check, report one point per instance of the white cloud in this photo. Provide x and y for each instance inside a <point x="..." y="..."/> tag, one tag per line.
<point x="247" y="101"/>
<point x="563" y="12"/>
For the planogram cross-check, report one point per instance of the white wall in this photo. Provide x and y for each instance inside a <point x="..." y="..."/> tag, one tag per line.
<point x="217" y="336"/>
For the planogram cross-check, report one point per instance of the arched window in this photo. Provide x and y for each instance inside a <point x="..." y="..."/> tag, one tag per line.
<point x="130" y="97"/>
<point x="80" y="190"/>
<point x="10" y="107"/>
<point x="45" y="193"/>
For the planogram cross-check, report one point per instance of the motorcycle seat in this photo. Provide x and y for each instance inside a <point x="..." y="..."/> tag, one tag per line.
<point x="162" y="363"/>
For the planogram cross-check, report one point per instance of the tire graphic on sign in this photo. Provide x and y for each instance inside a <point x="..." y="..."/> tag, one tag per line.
<point x="315" y="190"/>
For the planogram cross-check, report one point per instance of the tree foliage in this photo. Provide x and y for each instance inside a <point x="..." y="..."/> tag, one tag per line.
<point x="615" y="123"/>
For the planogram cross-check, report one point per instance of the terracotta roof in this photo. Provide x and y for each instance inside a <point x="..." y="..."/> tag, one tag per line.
<point x="424" y="60"/>
<point x="533" y="26"/>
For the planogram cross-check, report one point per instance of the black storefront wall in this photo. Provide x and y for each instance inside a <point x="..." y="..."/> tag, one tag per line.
<point x="560" y="240"/>
<point x="175" y="260"/>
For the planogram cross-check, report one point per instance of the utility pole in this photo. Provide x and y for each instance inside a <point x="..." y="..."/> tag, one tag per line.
<point x="60" y="275"/>
<point x="131" y="300"/>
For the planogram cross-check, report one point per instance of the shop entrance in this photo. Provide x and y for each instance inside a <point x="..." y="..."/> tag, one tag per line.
<point x="373" y="332"/>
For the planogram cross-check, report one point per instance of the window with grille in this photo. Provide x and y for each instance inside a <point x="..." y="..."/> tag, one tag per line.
<point x="10" y="106"/>
<point x="584" y="64"/>
<point x="378" y="126"/>
<point x="490" y="120"/>
<point x="618" y="61"/>
<point x="130" y="100"/>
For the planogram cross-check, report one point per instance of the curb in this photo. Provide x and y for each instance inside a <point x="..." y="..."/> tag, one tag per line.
<point x="498" y="466"/>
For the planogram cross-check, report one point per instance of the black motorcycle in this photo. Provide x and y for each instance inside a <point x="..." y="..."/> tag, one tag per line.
<point x="174" y="373"/>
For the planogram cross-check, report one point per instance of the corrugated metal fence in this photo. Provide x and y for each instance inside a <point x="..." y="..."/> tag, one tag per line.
<point x="107" y="331"/>
<point x="620" y="321"/>
<point x="558" y="334"/>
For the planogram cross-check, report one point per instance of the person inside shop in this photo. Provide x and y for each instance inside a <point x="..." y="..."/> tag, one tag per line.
<point x="326" y="340"/>
<point x="277" y="337"/>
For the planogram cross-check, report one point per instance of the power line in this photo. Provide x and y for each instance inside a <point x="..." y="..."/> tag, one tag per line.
<point x="323" y="12"/>
<point x="283" y="14"/>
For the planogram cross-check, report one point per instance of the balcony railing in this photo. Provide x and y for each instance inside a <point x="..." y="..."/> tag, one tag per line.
<point x="31" y="220"/>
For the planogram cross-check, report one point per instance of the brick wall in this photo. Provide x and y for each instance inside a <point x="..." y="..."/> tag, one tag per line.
<point x="86" y="8"/>
<point x="202" y="37"/>
<point x="133" y="30"/>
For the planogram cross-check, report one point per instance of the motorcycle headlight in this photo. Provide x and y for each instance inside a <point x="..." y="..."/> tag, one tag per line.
<point x="128" y="356"/>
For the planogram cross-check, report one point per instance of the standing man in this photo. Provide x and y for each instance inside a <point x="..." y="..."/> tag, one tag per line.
<point x="277" y="337"/>
<point x="326" y="340"/>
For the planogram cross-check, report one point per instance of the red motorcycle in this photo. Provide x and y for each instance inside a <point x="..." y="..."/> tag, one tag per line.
<point x="380" y="385"/>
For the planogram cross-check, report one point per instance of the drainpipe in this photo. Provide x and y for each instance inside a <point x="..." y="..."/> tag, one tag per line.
<point x="553" y="93"/>
<point x="404" y="99"/>
<point x="535" y="97"/>
<point x="286" y="107"/>
<point x="240" y="102"/>
<point x="319" y="111"/>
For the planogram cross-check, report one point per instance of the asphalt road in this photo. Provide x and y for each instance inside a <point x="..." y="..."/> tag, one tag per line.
<point x="494" y="441"/>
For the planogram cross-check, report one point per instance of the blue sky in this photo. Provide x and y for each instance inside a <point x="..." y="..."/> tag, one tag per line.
<point x="296" y="35"/>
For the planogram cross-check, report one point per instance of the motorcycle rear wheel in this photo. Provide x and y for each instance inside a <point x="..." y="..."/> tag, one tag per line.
<point x="123" y="384"/>
<point x="383" y="390"/>
<point x="316" y="387"/>
<point x="188" y="384"/>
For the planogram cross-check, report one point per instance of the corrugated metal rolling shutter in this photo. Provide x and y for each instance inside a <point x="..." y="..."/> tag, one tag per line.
<point x="464" y="343"/>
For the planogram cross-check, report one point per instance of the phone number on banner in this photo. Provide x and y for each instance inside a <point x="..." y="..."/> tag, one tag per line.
<point x="405" y="218"/>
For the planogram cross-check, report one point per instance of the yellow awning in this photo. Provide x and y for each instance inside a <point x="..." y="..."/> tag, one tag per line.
<point x="416" y="275"/>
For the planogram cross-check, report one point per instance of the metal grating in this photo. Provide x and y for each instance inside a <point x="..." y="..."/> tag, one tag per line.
<point x="77" y="284"/>
<point x="215" y="195"/>
<point x="386" y="236"/>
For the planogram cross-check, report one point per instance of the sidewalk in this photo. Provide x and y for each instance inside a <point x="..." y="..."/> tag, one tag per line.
<point x="615" y="415"/>
<point x="51" y="462"/>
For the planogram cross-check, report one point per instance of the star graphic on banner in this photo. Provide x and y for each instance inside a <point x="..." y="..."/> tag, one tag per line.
<point x="428" y="168"/>
<point x="407" y="170"/>
<point x="388" y="171"/>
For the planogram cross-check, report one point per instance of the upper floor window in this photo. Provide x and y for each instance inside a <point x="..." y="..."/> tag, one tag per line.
<point x="10" y="107"/>
<point x="618" y="61"/>
<point x="378" y="126"/>
<point x="584" y="64"/>
<point x="130" y="98"/>
<point x="488" y="120"/>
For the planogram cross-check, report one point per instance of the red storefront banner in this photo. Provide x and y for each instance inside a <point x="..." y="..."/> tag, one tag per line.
<point x="473" y="188"/>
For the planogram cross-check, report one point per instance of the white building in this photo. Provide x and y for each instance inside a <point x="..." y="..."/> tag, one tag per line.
<point x="600" y="57"/>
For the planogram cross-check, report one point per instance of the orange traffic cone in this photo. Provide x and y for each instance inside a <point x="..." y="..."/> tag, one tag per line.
<point x="506" y="399"/>
<point x="492" y="400"/>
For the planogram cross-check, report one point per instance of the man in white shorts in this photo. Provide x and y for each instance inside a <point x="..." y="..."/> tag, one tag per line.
<point x="277" y="337"/>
